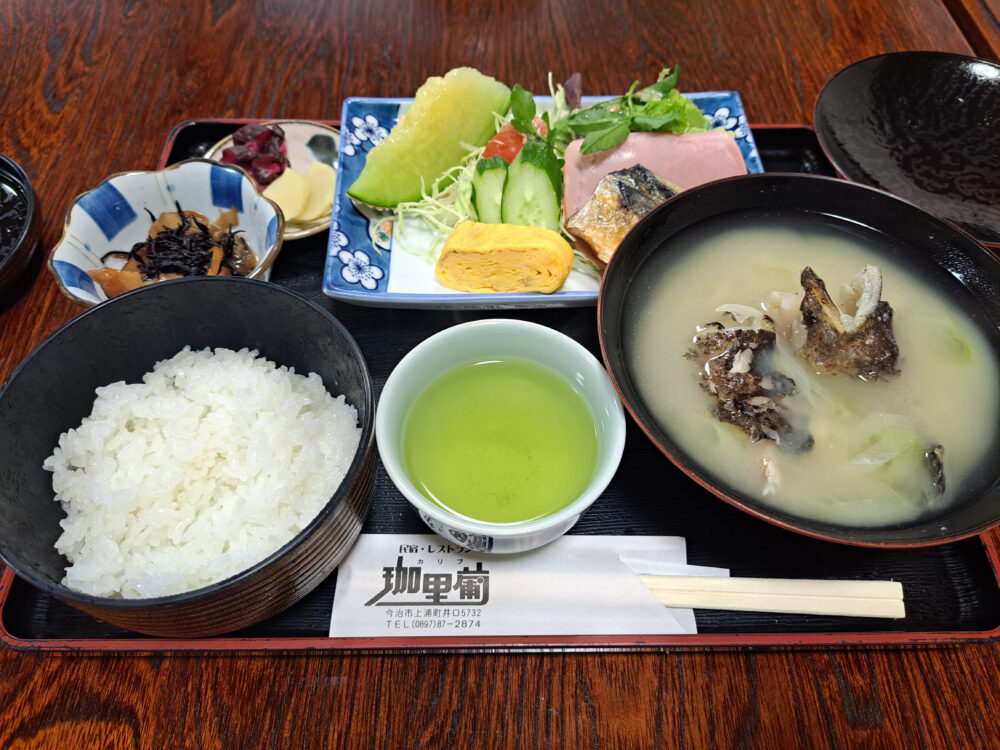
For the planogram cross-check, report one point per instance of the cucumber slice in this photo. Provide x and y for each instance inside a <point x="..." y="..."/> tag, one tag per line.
<point x="487" y="189"/>
<point x="531" y="195"/>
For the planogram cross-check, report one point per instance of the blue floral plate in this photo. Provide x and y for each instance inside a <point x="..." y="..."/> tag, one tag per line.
<point x="364" y="267"/>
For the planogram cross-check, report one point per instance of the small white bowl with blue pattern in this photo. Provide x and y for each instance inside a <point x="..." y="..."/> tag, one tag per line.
<point x="113" y="216"/>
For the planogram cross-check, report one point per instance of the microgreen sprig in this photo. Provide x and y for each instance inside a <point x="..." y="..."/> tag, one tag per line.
<point x="656" y="108"/>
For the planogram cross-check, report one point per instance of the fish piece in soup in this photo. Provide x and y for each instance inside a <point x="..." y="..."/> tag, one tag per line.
<point x="934" y="461"/>
<point x="857" y="338"/>
<point x="735" y="368"/>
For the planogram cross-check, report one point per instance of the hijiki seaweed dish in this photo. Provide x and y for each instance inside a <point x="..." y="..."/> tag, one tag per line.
<point x="179" y="243"/>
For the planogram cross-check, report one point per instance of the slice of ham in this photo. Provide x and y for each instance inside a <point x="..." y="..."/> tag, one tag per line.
<point x="686" y="160"/>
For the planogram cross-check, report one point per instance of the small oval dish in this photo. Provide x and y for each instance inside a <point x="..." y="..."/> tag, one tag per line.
<point x="18" y="222"/>
<point x="113" y="217"/>
<point x="924" y="126"/>
<point x="307" y="141"/>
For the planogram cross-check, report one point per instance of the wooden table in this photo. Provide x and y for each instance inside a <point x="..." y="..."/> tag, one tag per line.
<point x="88" y="89"/>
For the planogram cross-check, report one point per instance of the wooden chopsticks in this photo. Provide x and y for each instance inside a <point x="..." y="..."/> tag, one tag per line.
<point x="787" y="595"/>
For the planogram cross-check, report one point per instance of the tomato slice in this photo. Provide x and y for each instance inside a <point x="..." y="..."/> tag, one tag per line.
<point x="507" y="142"/>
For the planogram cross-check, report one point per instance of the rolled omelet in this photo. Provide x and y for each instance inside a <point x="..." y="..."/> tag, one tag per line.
<point x="504" y="258"/>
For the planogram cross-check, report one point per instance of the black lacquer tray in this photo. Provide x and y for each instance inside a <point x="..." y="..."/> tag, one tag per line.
<point x="952" y="591"/>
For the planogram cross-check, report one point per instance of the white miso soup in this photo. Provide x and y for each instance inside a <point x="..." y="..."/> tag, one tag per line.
<point x="866" y="466"/>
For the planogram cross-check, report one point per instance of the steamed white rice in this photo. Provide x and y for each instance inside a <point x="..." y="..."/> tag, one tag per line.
<point x="205" y="468"/>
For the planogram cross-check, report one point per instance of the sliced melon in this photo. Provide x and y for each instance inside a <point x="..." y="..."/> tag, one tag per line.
<point x="448" y="115"/>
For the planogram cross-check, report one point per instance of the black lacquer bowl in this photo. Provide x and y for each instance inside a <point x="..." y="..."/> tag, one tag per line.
<point x="52" y="390"/>
<point x="965" y="271"/>
<point x="18" y="222"/>
<point x="924" y="126"/>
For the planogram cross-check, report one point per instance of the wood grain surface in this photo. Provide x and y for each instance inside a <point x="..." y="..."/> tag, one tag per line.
<point x="91" y="88"/>
<point x="979" y="21"/>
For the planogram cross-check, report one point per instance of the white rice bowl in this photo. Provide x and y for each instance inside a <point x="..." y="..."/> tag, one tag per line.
<point x="201" y="471"/>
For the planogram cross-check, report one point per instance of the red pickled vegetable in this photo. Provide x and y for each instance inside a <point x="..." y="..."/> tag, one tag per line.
<point x="260" y="150"/>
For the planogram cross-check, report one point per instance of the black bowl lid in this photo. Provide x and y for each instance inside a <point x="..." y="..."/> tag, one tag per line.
<point x="924" y="126"/>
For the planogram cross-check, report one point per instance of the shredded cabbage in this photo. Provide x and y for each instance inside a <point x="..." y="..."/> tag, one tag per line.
<point x="441" y="208"/>
<point x="559" y="110"/>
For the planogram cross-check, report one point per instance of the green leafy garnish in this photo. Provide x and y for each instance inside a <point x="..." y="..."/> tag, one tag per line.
<point x="536" y="150"/>
<point x="665" y="83"/>
<point x="522" y="110"/>
<point x="595" y="119"/>
<point x="601" y="140"/>
<point x="658" y="108"/>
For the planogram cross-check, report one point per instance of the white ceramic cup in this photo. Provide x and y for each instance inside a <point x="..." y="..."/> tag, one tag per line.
<point x="492" y="339"/>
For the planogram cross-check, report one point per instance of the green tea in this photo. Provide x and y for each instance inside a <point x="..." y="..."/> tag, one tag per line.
<point x="500" y="441"/>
